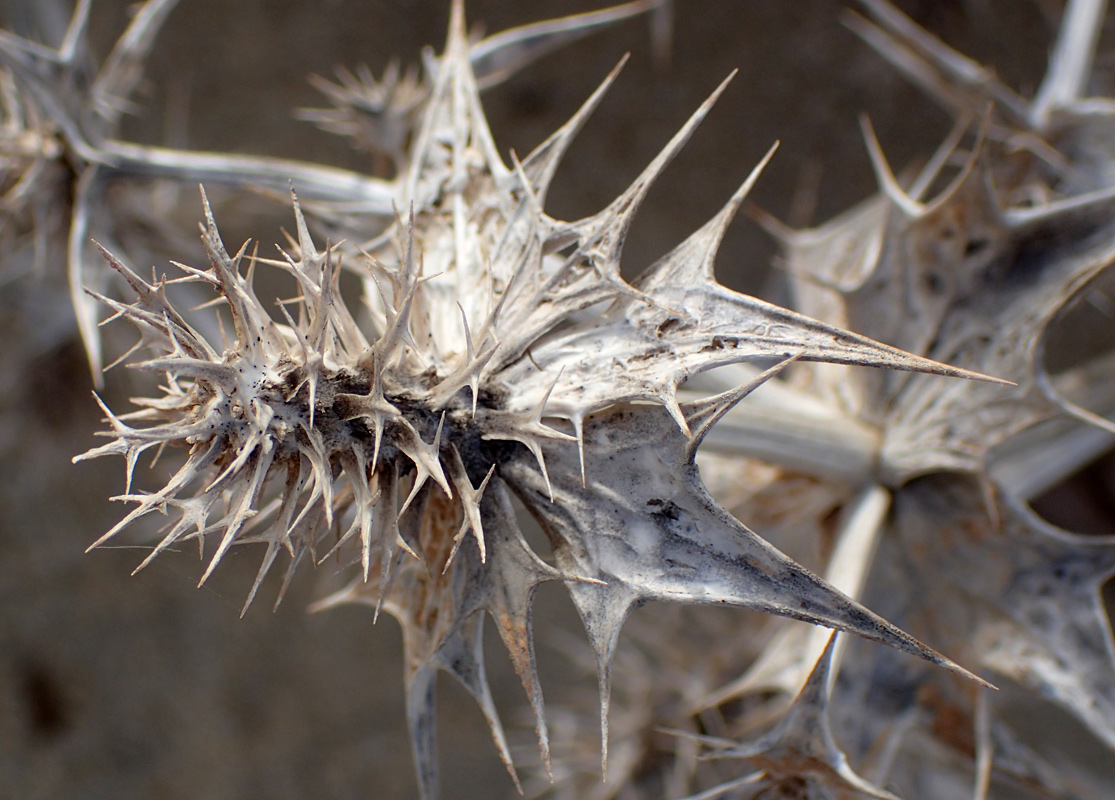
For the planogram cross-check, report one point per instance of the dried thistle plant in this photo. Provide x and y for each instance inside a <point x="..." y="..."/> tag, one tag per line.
<point x="499" y="357"/>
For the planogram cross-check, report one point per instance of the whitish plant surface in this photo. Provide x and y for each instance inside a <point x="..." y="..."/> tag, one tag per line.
<point x="499" y="358"/>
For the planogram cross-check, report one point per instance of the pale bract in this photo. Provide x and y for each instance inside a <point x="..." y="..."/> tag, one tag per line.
<point x="500" y="357"/>
<point x="977" y="258"/>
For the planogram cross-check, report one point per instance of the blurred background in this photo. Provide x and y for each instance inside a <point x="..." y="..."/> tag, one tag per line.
<point x="114" y="686"/>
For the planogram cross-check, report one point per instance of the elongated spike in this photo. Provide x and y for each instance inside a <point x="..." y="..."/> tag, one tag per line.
<point x="940" y="157"/>
<point x="707" y="412"/>
<point x="122" y="69"/>
<point x="543" y="161"/>
<point x="694" y="260"/>
<point x="604" y="233"/>
<point x="194" y="514"/>
<point x="288" y="576"/>
<point x="306" y="248"/>
<point x="426" y="461"/>
<point x="579" y="431"/>
<point x="75" y="262"/>
<point x="953" y="79"/>
<point x="250" y="492"/>
<point x="130" y="452"/>
<point x="75" y="32"/>
<point x="470" y="502"/>
<point x="264" y="568"/>
<point x="195" y="465"/>
<point x="497" y="57"/>
<point x="387" y="525"/>
<point x="804" y="736"/>
<point x="464" y="660"/>
<point x="885" y="176"/>
<point x="1070" y="63"/>
<point x="435" y="449"/>
<point x="421" y="720"/>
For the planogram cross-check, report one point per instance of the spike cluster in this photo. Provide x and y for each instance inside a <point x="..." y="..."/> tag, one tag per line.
<point x="499" y="359"/>
<point x="504" y="357"/>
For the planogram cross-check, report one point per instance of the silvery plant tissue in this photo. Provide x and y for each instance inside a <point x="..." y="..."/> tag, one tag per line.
<point x="454" y="397"/>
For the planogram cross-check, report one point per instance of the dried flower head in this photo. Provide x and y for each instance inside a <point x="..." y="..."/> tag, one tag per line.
<point x="503" y="358"/>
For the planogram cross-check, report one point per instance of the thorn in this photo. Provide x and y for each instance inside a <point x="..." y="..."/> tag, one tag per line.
<point x="535" y="423"/>
<point x="670" y="401"/>
<point x="470" y="503"/>
<point x="426" y="461"/>
<point x="579" y="431"/>
<point x="707" y="412"/>
<point x="885" y="176"/>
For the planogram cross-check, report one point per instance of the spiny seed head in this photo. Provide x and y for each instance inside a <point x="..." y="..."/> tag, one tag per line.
<point x="502" y="355"/>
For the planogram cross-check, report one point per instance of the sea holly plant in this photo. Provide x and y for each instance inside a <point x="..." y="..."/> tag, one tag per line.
<point x="493" y="358"/>
<point x="505" y="357"/>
